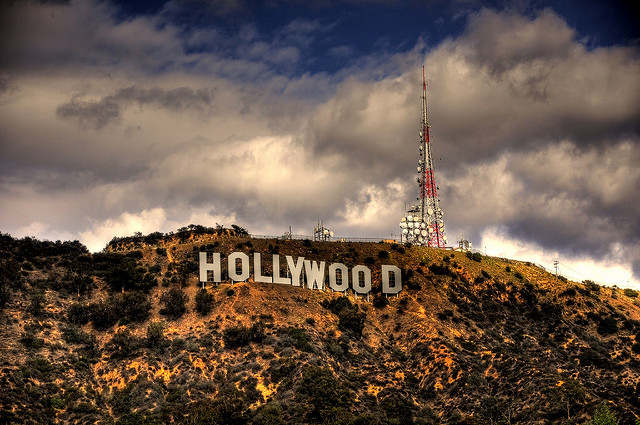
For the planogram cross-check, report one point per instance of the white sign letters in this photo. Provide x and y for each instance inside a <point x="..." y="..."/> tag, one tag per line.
<point x="314" y="276"/>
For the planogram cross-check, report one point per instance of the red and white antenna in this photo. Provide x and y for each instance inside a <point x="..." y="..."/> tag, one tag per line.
<point x="423" y="223"/>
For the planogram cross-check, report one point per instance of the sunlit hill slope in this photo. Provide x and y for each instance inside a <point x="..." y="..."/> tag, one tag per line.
<point x="127" y="336"/>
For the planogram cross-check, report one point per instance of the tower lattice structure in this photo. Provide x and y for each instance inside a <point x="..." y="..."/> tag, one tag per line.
<point x="423" y="223"/>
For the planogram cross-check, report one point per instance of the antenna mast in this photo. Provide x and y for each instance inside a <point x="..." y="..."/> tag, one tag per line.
<point x="423" y="223"/>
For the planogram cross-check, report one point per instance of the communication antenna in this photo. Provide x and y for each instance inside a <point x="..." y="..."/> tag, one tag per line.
<point x="321" y="233"/>
<point x="427" y="214"/>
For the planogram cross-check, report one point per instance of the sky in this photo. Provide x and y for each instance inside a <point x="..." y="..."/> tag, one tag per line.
<point x="118" y="117"/>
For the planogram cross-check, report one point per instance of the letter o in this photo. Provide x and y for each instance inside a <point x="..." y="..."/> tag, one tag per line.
<point x="233" y="274"/>
<point x="333" y="277"/>
<point x="365" y="287"/>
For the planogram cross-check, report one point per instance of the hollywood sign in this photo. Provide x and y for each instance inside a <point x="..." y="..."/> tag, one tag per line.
<point x="314" y="276"/>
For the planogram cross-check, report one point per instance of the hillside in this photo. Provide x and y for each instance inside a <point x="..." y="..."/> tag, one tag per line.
<point x="103" y="338"/>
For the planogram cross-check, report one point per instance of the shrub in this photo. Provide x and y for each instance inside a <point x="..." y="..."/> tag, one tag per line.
<point x="173" y="303"/>
<point x="155" y="334"/>
<point x="607" y="326"/>
<point x="300" y="338"/>
<point x="604" y="416"/>
<point x="239" y="231"/>
<point x="204" y="302"/>
<point x="31" y="341"/>
<point x="591" y="285"/>
<point x="240" y="336"/>
<point x="74" y="335"/>
<point x="350" y="319"/>
<point x="38" y="368"/>
<point x="134" y="306"/>
<point x="269" y="414"/>
<point x="383" y="254"/>
<point x="369" y="260"/>
<point x="78" y="314"/>
<point x="632" y="293"/>
<point x="329" y="398"/>
<point x="104" y="314"/>
<point x="440" y="270"/>
<point x="37" y="300"/>
<point x="122" y="344"/>
<point x="380" y="301"/>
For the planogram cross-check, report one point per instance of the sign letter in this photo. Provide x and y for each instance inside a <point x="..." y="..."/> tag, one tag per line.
<point x="205" y="266"/>
<point x="315" y="274"/>
<point x="363" y="287"/>
<point x="233" y="272"/>
<point x="333" y="277"/>
<point x="276" y="272"/>
<point x="387" y="287"/>
<point x="257" y="270"/>
<point x="295" y="269"/>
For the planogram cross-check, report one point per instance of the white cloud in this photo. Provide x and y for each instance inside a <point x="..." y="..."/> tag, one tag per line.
<point x="496" y="242"/>
<point x="145" y="221"/>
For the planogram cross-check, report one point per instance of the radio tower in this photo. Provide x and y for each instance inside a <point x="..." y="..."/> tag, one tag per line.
<point x="423" y="223"/>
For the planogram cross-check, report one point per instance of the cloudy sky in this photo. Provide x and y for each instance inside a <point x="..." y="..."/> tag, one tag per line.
<point x="119" y="117"/>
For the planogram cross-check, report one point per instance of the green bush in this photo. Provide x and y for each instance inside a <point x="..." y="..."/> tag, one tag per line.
<point x="441" y="270"/>
<point x="78" y="314"/>
<point x="31" y="341"/>
<point x="240" y="336"/>
<point x="591" y="285"/>
<point x="607" y="326"/>
<point x="38" y="368"/>
<point x="134" y="306"/>
<point x="301" y="339"/>
<point x="37" y="301"/>
<point x="122" y="344"/>
<point x="380" y="301"/>
<point x="74" y="335"/>
<point x="204" y="302"/>
<point x="155" y="334"/>
<point x="328" y="397"/>
<point x="104" y="314"/>
<point x="383" y="254"/>
<point x="632" y="293"/>
<point x="350" y="318"/>
<point x="476" y="256"/>
<point x="173" y="303"/>
<point x="604" y="416"/>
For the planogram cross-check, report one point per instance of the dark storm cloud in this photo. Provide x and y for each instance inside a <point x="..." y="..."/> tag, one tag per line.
<point x="107" y="110"/>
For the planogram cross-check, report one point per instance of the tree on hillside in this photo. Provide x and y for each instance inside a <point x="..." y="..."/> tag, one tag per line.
<point x="173" y="303"/>
<point x="204" y="302"/>
<point x="568" y="395"/>
<point x="239" y="231"/>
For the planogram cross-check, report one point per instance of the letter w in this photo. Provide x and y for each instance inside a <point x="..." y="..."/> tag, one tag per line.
<point x="315" y="274"/>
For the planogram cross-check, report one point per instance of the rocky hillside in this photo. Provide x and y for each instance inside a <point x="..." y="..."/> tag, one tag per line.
<point x="128" y="336"/>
